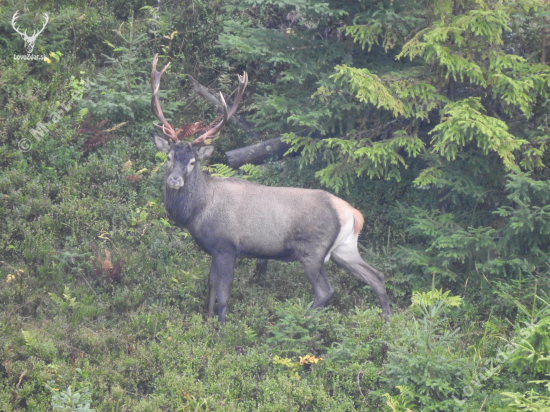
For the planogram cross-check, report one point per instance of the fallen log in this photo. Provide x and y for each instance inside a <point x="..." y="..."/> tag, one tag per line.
<point x="257" y="153"/>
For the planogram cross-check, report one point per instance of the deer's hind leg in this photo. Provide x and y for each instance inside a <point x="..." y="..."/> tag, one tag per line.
<point x="322" y="289"/>
<point x="347" y="257"/>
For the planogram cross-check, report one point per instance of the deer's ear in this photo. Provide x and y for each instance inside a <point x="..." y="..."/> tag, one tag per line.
<point x="162" y="144"/>
<point x="204" y="152"/>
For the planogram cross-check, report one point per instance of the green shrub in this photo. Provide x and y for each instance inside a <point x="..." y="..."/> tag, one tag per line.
<point x="76" y="397"/>
<point x="423" y="364"/>
<point x="532" y="354"/>
<point x="298" y="329"/>
<point x="532" y="401"/>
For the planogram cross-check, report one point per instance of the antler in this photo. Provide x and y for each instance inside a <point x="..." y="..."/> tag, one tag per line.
<point x="168" y="129"/>
<point x="155" y="102"/>
<point x="243" y="81"/>
<point x="210" y="132"/>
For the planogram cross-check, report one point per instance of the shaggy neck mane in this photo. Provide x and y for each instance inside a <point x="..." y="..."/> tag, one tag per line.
<point x="186" y="203"/>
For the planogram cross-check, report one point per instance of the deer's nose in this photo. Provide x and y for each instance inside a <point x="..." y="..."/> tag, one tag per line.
<point x="175" y="181"/>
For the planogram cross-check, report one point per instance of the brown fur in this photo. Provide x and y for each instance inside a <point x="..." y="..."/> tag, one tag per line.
<point x="345" y="211"/>
<point x="358" y="221"/>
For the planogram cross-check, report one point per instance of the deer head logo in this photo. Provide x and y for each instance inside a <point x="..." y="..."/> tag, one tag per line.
<point x="29" y="40"/>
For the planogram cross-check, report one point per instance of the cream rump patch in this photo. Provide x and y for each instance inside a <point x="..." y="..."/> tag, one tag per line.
<point x="346" y="212"/>
<point x="351" y="223"/>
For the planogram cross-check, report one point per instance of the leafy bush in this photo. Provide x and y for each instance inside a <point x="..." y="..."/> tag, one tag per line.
<point x="515" y="243"/>
<point x="532" y="356"/>
<point x="421" y="363"/>
<point x="76" y="397"/>
<point x="532" y="401"/>
<point x="123" y="93"/>
<point x="298" y="329"/>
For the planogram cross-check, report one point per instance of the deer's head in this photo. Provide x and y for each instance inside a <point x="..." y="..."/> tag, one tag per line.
<point x="181" y="159"/>
<point x="182" y="156"/>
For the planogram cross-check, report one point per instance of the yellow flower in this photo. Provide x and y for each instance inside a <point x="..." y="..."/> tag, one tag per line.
<point x="309" y="359"/>
<point x="47" y="60"/>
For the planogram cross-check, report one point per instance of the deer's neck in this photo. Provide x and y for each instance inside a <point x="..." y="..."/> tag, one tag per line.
<point x="185" y="204"/>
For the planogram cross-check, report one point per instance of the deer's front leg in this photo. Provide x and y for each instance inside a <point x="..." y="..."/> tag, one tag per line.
<point x="220" y="280"/>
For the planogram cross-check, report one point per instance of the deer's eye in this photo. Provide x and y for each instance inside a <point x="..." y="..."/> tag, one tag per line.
<point x="170" y="157"/>
<point x="192" y="162"/>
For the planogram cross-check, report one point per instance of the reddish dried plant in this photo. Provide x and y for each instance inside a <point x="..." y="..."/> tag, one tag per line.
<point x="104" y="267"/>
<point x="189" y="129"/>
<point x="96" y="135"/>
<point x="134" y="179"/>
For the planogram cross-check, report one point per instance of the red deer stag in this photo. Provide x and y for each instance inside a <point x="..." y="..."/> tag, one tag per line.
<point x="231" y="218"/>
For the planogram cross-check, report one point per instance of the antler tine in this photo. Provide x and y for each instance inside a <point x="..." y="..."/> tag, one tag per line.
<point x="215" y="129"/>
<point x="243" y="81"/>
<point x="167" y="129"/>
